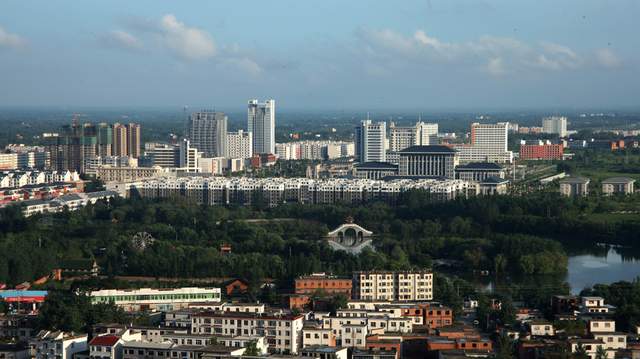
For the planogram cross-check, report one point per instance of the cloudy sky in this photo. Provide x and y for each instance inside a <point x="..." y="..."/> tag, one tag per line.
<point x="428" y="54"/>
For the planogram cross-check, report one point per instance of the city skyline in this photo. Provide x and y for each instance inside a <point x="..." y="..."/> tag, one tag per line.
<point x="413" y="55"/>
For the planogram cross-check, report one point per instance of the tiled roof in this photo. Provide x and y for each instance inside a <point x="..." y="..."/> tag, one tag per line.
<point x="105" y="340"/>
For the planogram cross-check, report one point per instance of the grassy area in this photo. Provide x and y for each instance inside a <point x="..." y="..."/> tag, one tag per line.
<point x="614" y="217"/>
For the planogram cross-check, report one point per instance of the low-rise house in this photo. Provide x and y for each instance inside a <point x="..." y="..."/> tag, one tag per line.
<point x="14" y="351"/>
<point x="541" y="328"/>
<point x="57" y="344"/>
<point x="323" y="352"/>
<point x="618" y="185"/>
<point x="574" y="186"/>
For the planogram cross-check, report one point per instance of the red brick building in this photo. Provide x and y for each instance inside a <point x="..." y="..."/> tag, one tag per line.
<point x="322" y="283"/>
<point x="541" y="152"/>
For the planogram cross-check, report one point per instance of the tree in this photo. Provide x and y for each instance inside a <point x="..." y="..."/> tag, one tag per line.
<point x="601" y="352"/>
<point x="505" y="348"/>
<point x="581" y="352"/>
<point x="252" y="349"/>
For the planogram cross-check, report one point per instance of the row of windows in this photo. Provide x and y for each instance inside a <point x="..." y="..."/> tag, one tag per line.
<point x="144" y="297"/>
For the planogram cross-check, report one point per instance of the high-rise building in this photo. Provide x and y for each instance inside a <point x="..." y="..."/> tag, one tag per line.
<point x="119" y="140"/>
<point x="555" y="125"/>
<point x="133" y="140"/>
<point x="208" y="133"/>
<point x="126" y="140"/>
<point x="239" y="144"/>
<point x="261" y="120"/>
<point x="421" y="134"/>
<point x="370" y="141"/>
<point x="105" y="139"/>
<point x="488" y="144"/>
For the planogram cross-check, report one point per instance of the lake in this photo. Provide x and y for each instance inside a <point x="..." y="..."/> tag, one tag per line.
<point x="586" y="270"/>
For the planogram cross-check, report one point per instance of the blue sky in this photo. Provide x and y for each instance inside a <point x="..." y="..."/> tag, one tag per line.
<point x="428" y="54"/>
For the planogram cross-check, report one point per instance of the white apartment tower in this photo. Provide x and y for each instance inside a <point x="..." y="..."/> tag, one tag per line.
<point x="370" y="141"/>
<point x="488" y="144"/>
<point x="555" y="125"/>
<point x="207" y="131"/>
<point x="261" y="122"/>
<point x="239" y="144"/>
<point x="421" y="134"/>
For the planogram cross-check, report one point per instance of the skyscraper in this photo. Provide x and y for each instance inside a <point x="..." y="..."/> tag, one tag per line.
<point x="488" y="144"/>
<point x="261" y="121"/>
<point x="555" y="125"/>
<point x="370" y="141"/>
<point x="105" y="139"/>
<point x="208" y="133"/>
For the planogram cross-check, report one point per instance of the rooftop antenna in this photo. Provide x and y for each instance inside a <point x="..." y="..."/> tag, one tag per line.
<point x="367" y="115"/>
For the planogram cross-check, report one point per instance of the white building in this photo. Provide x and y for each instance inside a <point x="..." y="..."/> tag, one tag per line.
<point x="488" y="144"/>
<point x="239" y="144"/>
<point x="555" y="125"/>
<point x="207" y="131"/>
<point x="421" y="134"/>
<point x="57" y="345"/>
<point x="163" y="299"/>
<point x="283" y="332"/>
<point x="261" y="122"/>
<point x="393" y="286"/>
<point x="370" y="139"/>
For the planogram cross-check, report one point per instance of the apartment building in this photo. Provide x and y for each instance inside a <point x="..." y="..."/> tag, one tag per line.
<point x="283" y="332"/>
<point x="242" y="190"/>
<point x="393" y="285"/>
<point x="555" y="125"/>
<point x="126" y="174"/>
<point x="239" y="144"/>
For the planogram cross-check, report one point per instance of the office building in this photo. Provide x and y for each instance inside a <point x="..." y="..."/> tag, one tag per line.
<point x="374" y="170"/>
<point x="370" y="139"/>
<point x="188" y="157"/>
<point x="555" y="125"/>
<point x="546" y="151"/>
<point x="488" y="144"/>
<point x="421" y="134"/>
<point x="574" y="186"/>
<point x="208" y="133"/>
<point x="163" y="299"/>
<point x="618" y="185"/>
<point x="428" y="161"/>
<point x="239" y="144"/>
<point x="479" y="171"/>
<point x="319" y="283"/>
<point x="393" y="285"/>
<point x="162" y="154"/>
<point x="261" y="122"/>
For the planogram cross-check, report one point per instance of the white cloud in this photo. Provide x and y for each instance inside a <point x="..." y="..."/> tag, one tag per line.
<point x="189" y="43"/>
<point x="607" y="58"/>
<point x="496" y="67"/>
<point x="496" y="55"/>
<point x="121" y="39"/>
<point x="10" y="40"/>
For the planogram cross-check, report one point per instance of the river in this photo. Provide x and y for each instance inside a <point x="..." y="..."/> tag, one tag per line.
<point x="587" y="269"/>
